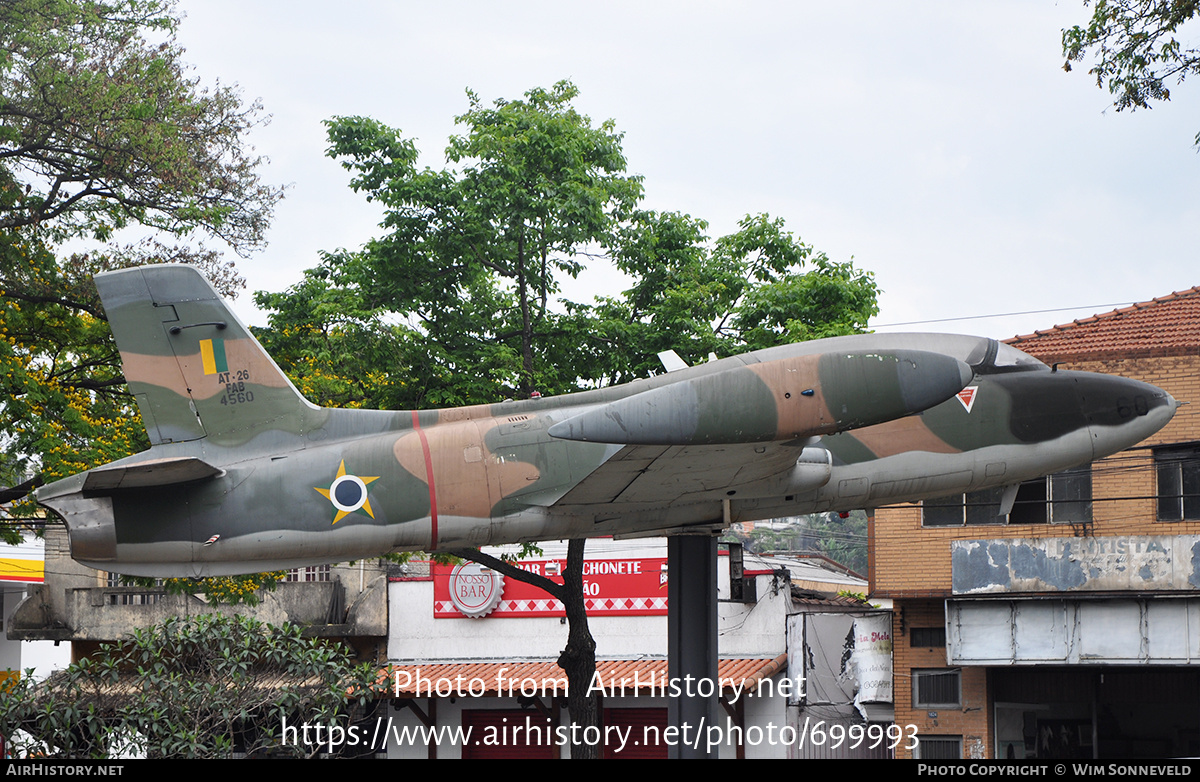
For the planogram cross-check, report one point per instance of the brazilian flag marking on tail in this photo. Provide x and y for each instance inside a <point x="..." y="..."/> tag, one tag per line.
<point x="212" y="353"/>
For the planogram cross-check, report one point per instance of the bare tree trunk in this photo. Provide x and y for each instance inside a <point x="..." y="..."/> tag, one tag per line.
<point x="578" y="659"/>
<point x="526" y="384"/>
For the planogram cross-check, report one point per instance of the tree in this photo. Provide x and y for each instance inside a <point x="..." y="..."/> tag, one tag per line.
<point x="101" y="128"/>
<point x="456" y="301"/>
<point x="194" y="687"/>
<point x="472" y="252"/>
<point x="578" y="657"/>
<point x="338" y="351"/>
<point x="745" y="291"/>
<point x="842" y="539"/>
<point x="1136" y="49"/>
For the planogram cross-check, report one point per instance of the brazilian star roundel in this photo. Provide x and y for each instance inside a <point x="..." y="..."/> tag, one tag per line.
<point x="348" y="493"/>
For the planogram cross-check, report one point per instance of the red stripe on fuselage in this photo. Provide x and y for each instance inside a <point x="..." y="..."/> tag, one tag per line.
<point x="433" y="530"/>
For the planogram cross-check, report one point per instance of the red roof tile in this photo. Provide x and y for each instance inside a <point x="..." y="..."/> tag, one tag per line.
<point x="1166" y="326"/>
<point x="495" y="678"/>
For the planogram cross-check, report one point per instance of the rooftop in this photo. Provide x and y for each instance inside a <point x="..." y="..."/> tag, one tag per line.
<point x="810" y="568"/>
<point x="1166" y="326"/>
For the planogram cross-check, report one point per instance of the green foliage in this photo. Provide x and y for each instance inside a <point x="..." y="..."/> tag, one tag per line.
<point x="230" y="590"/>
<point x="101" y="127"/>
<point x="844" y="540"/>
<point x="454" y="305"/>
<point x="1136" y="49"/>
<point x="472" y="253"/>
<point x="744" y="292"/>
<point x="337" y="352"/>
<point x="196" y="687"/>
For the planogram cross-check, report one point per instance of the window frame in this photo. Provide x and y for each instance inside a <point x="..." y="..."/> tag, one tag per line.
<point x="947" y="742"/>
<point x="1178" y="466"/>
<point x="927" y="637"/>
<point x="1069" y="491"/>
<point x="929" y="673"/>
<point x="309" y="575"/>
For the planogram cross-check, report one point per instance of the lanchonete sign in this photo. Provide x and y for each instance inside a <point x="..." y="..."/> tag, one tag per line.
<point x="612" y="587"/>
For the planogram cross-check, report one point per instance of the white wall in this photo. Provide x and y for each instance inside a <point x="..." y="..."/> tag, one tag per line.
<point x="754" y="630"/>
<point x="744" y="630"/>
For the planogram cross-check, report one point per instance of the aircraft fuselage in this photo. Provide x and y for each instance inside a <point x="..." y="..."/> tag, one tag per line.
<point x="245" y="476"/>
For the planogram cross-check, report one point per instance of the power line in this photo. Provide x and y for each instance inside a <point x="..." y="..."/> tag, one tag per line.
<point x="1004" y="314"/>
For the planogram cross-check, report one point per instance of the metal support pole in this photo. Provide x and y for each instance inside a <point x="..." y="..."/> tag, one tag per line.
<point x="692" y="641"/>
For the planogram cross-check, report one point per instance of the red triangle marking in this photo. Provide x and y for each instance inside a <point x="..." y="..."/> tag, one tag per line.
<point x="967" y="397"/>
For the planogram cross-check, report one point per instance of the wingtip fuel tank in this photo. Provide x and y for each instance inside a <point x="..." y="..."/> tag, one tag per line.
<point x="785" y="399"/>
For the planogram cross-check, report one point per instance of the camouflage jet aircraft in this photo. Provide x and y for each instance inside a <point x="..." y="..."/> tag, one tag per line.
<point x="245" y="475"/>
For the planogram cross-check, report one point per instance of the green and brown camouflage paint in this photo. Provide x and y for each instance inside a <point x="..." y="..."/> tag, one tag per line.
<point x="245" y="475"/>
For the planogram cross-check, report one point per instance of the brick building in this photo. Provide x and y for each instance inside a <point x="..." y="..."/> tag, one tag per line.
<point x="1071" y="626"/>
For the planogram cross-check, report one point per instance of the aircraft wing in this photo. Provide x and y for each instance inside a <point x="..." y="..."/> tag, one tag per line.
<point x="666" y="474"/>
<point x="747" y="430"/>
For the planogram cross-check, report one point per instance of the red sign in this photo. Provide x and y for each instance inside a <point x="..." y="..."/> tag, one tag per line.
<point x="611" y="587"/>
<point x="967" y="397"/>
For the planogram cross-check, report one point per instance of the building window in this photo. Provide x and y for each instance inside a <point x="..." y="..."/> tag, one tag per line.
<point x="939" y="748"/>
<point x="1064" y="498"/>
<point x="937" y="689"/>
<point x="315" y="573"/>
<point x="1178" y="483"/>
<point x="928" y="637"/>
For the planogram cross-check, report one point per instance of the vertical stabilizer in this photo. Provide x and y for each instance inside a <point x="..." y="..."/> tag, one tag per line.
<point x="194" y="368"/>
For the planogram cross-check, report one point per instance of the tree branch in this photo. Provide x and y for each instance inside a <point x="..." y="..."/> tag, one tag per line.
<point x="95" y="312"/>
<point x="555" y="589"/>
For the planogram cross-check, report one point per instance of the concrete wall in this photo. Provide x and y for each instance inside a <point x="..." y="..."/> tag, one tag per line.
<point x="754" y="630"/>
<point x="75" y="604"/>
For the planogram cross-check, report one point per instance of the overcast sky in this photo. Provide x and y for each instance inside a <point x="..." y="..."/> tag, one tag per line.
<point x="938" y="143"/>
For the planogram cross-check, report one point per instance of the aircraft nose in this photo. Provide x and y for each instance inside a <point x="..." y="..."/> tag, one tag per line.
<point x="1122" y="412"/>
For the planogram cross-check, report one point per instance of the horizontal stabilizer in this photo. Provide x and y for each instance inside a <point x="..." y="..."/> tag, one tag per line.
<point x="801" y="396"/>
<point x="156" y="472"/>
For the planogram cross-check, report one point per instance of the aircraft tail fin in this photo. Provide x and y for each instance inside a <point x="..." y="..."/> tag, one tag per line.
<point x="194" y="368"/>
